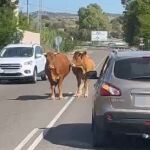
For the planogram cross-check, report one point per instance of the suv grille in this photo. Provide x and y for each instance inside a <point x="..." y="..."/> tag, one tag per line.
<point x="10" y="66"/>
<point x="10" y="74"/>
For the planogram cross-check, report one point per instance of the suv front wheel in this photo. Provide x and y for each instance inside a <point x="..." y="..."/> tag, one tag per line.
<point x="43" y="77"/>
<point x="34" y="77"/>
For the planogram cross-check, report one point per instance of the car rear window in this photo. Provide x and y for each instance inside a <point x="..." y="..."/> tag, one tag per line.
<point x="132" y="68"/>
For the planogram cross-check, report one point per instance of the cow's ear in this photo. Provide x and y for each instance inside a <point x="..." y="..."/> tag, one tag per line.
<point x="84" y="53"/>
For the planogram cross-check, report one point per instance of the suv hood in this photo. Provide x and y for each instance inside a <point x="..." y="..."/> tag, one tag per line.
<point x="14" y="60"/>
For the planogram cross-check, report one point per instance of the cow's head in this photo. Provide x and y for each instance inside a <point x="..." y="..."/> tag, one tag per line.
<point x="77" y="60"/>
<point x="50" y="60"/>
<point x="51" y="65"/>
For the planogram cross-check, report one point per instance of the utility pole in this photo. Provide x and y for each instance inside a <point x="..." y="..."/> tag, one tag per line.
<point x="40" y="16"/>
<point x="28" y="16"/>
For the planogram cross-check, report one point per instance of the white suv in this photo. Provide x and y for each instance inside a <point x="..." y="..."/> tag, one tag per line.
<point x="22" y="61"/>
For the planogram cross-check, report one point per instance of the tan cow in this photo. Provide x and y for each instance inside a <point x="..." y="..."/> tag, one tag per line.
<point x="57" y="68"/>
<point x="81" y="64"/>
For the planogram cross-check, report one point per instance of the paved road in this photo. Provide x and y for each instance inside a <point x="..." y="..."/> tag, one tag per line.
<point x="29" y="120"/>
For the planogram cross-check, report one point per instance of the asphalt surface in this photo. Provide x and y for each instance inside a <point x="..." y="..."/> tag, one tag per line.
<point x="30" y="120"/>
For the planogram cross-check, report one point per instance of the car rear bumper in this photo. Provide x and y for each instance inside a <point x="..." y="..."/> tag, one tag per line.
<point x="125" y="123"/>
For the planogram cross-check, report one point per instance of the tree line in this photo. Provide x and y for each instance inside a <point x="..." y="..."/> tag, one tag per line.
<point x="136" y="23"/>
<point x="133" y="25"/>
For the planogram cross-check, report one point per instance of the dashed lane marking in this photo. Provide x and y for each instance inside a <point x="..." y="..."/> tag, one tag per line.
<point x="28" y="137"/>
<point x="50" y="125"/>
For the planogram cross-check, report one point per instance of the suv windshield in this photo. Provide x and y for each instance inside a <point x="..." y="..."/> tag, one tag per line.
<point x="17" y="52"/>
<point x="132" y="68"/>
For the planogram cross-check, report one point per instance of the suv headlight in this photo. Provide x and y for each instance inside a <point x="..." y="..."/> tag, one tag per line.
<point x="28" y="63"/>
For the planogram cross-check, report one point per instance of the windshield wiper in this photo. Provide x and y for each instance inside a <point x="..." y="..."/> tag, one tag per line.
<point x="139" y="78"/>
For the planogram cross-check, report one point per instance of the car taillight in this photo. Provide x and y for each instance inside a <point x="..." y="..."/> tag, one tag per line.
<point x="109" y="90"/>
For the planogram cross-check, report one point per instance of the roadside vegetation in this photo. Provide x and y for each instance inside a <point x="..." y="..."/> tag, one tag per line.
<point x="7" y="22"/>
<point x="75" y="29"/>
<point x="137" y="22"/>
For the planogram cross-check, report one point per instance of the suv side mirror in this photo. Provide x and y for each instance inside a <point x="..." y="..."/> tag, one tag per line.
<point x="38" y="55"/>
<point x="91" y="75"/>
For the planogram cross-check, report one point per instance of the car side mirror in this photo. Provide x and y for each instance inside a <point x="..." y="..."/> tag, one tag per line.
<point x="91" y="75"/>
<point x="38" y="55"/>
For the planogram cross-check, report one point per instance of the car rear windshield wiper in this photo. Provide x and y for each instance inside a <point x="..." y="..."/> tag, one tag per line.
<point x="139" y="78"/>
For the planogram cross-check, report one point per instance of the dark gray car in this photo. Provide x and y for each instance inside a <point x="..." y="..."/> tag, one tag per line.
<point x="122" y="97"/>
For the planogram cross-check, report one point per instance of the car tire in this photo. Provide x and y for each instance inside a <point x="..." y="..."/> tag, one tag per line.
<point x="101" y="138"/>
<point x="34" y="77"/>
<point x="43" y="77"/>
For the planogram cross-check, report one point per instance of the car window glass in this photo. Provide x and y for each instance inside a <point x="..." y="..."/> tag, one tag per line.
<point x="17" y="52"/>
<point x="38" y="50"/>
<point x="132" y="68"/>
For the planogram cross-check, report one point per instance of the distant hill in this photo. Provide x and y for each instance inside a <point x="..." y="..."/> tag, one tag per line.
<point x="58" y="15"/>
<point x="54" y="15"/>
<point x="62" y="20"/>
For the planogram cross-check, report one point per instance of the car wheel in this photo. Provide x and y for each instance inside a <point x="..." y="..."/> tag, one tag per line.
<point x="43" y="77"/>
<point x="34" y="77"/>
<point x="101" y="138"/>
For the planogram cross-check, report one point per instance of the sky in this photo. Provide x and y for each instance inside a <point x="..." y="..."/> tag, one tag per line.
<point x="71" y="6"/>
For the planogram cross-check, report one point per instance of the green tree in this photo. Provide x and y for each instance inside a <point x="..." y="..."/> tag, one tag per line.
<point x="8" y="25"/>
<point x="116" y="27"/>
<point x="137" y="21"/>
<point x="23" y="22"/>
<point x="92" y="18"/>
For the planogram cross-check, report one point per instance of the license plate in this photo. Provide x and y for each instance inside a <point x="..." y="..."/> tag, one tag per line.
<point x="142" y="100"/>
<point x="10" y="71"/>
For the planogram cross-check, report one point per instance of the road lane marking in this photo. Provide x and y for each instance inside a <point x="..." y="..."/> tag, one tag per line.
<point x="28" y="137"/>
<point x="50" y="125"/>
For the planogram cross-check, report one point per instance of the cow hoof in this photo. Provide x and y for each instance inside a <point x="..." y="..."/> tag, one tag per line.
<point x="77" y="95"/>
<point x="61" y="97"/>
<point x="52" y="98"/>
<point x="86" y="96"/>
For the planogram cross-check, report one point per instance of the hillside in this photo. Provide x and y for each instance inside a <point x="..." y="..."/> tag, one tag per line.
<point x="58" y="15"/>
<point x="62" y="20"/>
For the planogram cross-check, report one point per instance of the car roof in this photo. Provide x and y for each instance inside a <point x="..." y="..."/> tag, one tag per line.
<point x="21" y="45"/>
<point x="130" y="54"/>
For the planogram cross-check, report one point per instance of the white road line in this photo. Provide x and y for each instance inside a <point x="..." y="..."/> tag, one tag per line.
<point x="28" y="137"/>
<point x="50" y="125"/>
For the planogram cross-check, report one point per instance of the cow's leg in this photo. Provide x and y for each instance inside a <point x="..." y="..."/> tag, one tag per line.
<point x="52" y="91"/>
<point x="60" y="88"/>
<point x="80" y="87"/>
<point x="86" y="86"/>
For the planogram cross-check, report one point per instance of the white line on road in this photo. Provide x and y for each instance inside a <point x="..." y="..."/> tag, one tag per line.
<point x="28" y="137"/>
<point x="50" y="125"/>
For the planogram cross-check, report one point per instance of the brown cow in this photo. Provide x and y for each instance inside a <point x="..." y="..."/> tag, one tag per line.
<point x="57" y="68"/>
<point x="81" y="64"/>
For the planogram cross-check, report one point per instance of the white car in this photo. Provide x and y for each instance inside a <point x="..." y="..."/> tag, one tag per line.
<point x="22" y="61"/>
